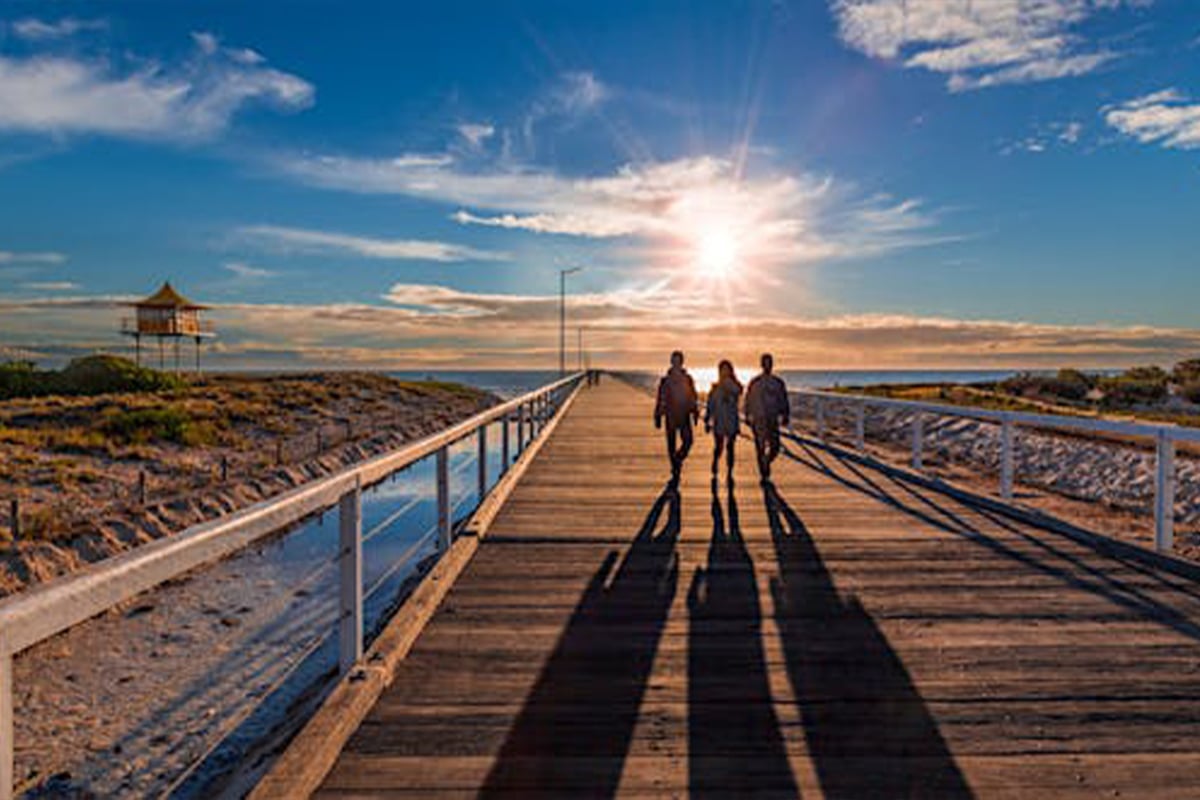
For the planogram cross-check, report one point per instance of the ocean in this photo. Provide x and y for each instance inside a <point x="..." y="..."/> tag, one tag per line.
<point x="510" y="383"/>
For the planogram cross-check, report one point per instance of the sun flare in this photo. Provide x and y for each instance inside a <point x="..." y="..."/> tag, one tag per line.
<point x="717" y="252"/>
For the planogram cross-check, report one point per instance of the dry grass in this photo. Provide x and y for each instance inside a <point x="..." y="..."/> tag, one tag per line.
<point x="68" y="458"/>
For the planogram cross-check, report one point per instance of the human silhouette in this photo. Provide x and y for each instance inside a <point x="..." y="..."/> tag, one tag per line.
<point x="678" y="406"/>
<point x="767" y="408"/>
<point x="721" y="415"/>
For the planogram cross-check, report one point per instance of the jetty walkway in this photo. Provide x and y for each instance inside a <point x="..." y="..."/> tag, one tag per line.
<point x="847" y="633"/>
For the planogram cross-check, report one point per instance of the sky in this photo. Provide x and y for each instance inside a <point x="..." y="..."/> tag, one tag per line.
<point x="847" y="183"/>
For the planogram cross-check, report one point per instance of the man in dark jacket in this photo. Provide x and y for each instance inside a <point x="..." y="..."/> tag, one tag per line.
<point x="767" y="408"/>
<point x="677" y="402"/>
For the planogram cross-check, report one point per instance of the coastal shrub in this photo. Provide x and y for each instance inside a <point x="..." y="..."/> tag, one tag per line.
<point x="1187" y="372"/>
<point x="103" y="374"/>
<point x="1068" y="384"/>
<point x="89" y="375"/>
<point x="165" y="424"/>
<point x="1191" y="391"/>
<point x="18" y="379"/>
<point x="1138" y="386"/>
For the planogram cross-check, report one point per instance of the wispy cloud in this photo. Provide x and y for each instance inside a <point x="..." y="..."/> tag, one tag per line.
<point x="476" y="133"/>
<point x="10" y="257"/>
<point x="978" y="43"/>
<point x="244" y="271"/>
<point x="51" y="286"/>
<point x="425" y="325"/>
<point x="303" y="240"/>
<point x="68" y="94"/>
<point x="780" y="216"/>
<point x="1167" y="117"/>
<point x="35" y="30"/>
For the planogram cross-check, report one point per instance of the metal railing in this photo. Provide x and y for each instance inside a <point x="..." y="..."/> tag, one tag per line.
<point x="42" y="612"/>
<point x="1164" y="436"/>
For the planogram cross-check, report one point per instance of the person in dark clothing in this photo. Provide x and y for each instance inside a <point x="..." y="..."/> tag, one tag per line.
<point x="767" y="408"/>
<point x="721" y="415"/>
<point x="677" y="403"/>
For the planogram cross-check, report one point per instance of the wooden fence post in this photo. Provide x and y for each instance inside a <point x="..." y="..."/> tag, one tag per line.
<point x="443" y="499"/>
<point x="350" y="622"/>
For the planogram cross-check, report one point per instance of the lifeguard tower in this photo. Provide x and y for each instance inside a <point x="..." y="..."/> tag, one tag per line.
<point x="166" y="316"/>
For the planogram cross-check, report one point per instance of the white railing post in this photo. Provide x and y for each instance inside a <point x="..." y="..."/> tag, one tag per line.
<point x="443" y="498"/>
<point x="504" y="454"/>
<point x="350" y="622"/>
<point x="6" y="721"/>
<point x="918" y="439"/>
<point x="1164" y="494"/>
<point x="1006" y="457"/>
<point x="820" y="414"/>
<point x="520" y="429"/>
<point x="482" y="462"/>
<point x="860" y="426"/>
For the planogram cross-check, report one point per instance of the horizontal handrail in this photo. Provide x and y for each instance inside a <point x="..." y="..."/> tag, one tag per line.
<point x="44" y="611"/>
<point x="1164" y="436"/>
<point x="1148" y="429"/>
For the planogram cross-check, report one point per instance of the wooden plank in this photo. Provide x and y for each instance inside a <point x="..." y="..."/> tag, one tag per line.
<point x="842" y="636"/>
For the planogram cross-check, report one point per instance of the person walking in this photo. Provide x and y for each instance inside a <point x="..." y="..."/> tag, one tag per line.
<point x="767" y="408"/>
<point x="677" y="403"/>
<point x="721" y="415"/>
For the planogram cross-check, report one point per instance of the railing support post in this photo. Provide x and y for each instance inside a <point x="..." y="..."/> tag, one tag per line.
<point x="350" y="623"/>
<point x="504" y="445"/>
<point x="918" y="440"/>
<point x="443" y="499"/>
<point x="860" y="426"/>
<point x="6" y="721"/>
<point x="520" y="428"/>
<point x="1164" y="494"/>
<point x="482" y="462"/>
<point x="820" y="401"/>
<point x="1006" y="457"/>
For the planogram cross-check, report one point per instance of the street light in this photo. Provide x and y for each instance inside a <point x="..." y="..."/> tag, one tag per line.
<point x="562" y="317"/>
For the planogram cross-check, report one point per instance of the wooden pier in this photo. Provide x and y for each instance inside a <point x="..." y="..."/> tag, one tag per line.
<point x="845" y="634"/>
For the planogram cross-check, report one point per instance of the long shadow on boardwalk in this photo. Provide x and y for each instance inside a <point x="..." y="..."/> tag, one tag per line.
<point x="574" y="731"/>
<point x="868" y="730"/>
<point x="939" y="511"/>
<point x="734" y="744"/>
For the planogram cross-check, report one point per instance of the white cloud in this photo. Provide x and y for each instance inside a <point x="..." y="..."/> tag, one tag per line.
<point x="51" y="286"/>
<point x="476" y="133"/>
<point x="579" y="92"/>
<point x="1167" y="117"/>
<point x="439" y="325"/>
<point x="193" y="101"/>
<point x="776" y="216"/>
<point x="978" y="43"/>
<point x="303" y="240"/>
<point x="244" y="271"/>
<point x="9" y="257"/>
<point x="35" y="30"/>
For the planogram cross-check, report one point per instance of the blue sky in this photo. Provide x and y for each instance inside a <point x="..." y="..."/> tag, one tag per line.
<point x="859" y="183"/>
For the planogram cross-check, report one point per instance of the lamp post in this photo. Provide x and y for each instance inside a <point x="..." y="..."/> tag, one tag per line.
<point x="562" y="318"/>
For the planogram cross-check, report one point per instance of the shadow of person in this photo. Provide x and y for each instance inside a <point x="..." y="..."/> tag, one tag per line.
<point x="868" y="730"/>
<point x="574" y="729"/>
<point x="734" y="743"/>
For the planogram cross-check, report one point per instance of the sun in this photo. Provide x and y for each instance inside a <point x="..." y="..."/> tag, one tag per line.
<point x="717" y="252"/>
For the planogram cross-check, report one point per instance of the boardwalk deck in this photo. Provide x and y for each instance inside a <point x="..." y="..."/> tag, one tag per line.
<point x="847" y="635"/>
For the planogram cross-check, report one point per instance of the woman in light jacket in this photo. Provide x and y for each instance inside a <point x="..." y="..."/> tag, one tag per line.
<point x="721" y="415"/>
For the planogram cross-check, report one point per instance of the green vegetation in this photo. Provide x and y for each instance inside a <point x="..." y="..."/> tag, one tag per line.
<point x="90" y="375"/>
<point x="1146" y="392"/>
<point x="166" y="424"/>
